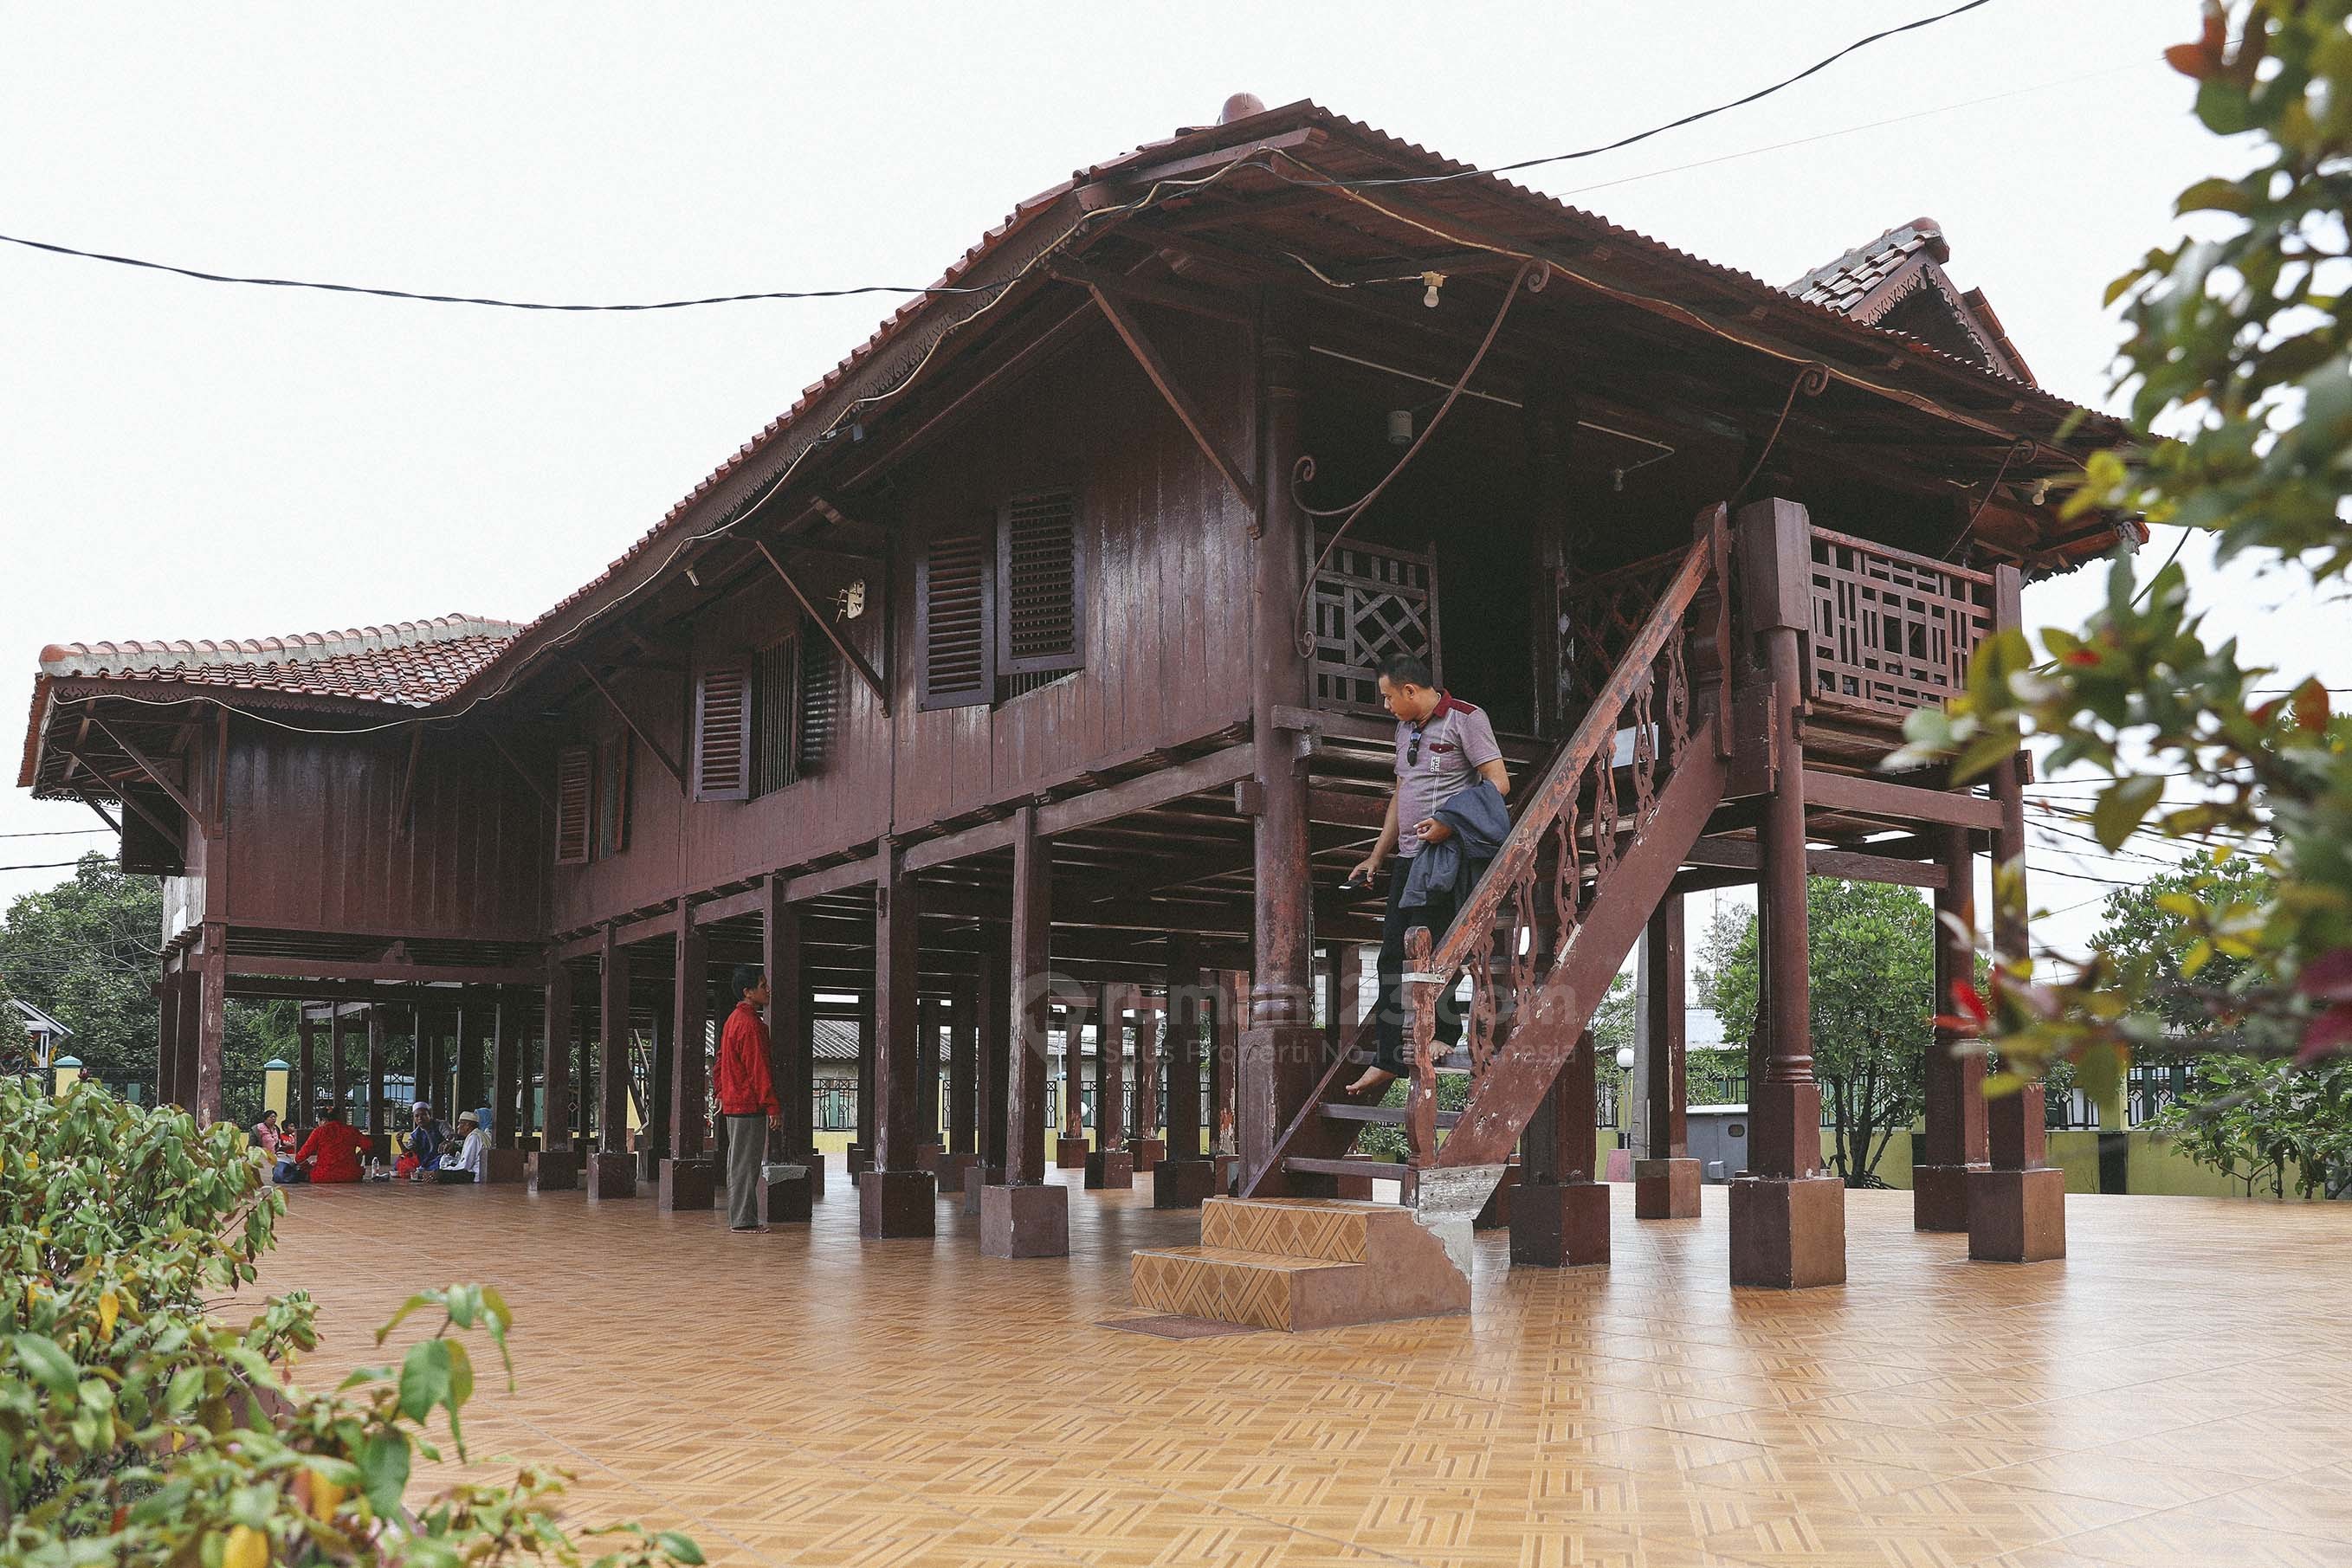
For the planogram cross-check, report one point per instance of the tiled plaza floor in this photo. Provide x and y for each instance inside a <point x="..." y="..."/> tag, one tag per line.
<point x="2177" y="1392"/>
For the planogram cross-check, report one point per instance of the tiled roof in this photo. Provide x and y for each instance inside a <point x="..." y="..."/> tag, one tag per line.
<point x="410" y="663"/>
<point x="1844" y="283"/>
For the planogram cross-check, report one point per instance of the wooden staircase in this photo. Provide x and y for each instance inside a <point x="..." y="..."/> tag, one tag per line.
<point x="1594" y="849"/>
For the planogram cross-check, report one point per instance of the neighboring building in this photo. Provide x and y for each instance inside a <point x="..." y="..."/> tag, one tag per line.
<point x="43" y="1033"/>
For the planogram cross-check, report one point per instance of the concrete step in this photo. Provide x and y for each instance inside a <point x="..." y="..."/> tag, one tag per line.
<point x="1295" y="1263"/>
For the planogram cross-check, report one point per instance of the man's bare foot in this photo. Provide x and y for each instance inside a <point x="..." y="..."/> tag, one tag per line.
<point x="1374" y="1078"/>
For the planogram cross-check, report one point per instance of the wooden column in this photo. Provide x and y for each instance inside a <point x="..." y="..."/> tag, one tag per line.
<point x="1027" y="1217"/>
<point x="791" y="1064"/>
<point x="998" y="1030"/>
<point x="305" y="1066"/>
<point x="2017" y="1207"/>
<point x="1558" y="1214"/>
<point x="895" y="1197"/>
<point x="339" y="1088"/>
<point x="931" y="1022"/>
<point x="473" y="1041"/>
<point x="555" y="1166"/>
<point x="611" y="1172"/>
<point x="1549" y="421"/>
<point x="1788" y="1220"/>
<point x="1070" y="1149"/>
<point x="1143" y="1140"/>
<point x="1280" y="1058"/>
<point x="506" y="1072"/>
<point x="1665" y="1183"/>
<point x="963" y="1066"/>
<point x="212" y="1008"/>
<point x="1232" y="1009"/>
<point x="167" y="1039"/>
<point x="1187" y="1176"/>
<point x="1109" y="1163"/>
<point x="687" y="1179"/>
<point x="1952" y="1135"/>
<point x="378" y="1048"/>
<point x="661" y="1066"/>
<point x="861" y="1153"/>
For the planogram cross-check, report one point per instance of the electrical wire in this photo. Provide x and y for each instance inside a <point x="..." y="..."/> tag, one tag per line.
<point x="57" y="834"/>
<point x="45" y="865"/>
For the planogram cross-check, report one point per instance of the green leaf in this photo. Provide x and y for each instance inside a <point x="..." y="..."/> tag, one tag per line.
<point x="424" y="1378"/>
<point x="681" y="1548"/>
<point x="2215" y="195"/>
<point x="383" y="1469"/>
<point x="49" y="1366"/>
<point x="2122" y="809"/>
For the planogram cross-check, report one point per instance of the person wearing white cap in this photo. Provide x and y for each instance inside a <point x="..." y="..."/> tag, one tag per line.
<point x="470" y="1160"/>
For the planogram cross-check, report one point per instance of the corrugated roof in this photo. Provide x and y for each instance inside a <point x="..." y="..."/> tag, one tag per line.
<point x="409" y="664"/>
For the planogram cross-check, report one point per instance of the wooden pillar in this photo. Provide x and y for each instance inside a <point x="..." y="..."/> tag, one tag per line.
<point x="1143" y="1140"/>
<point x="1665" y="1183"/>
<point x="1952" y="1135"/>
<point x="963" y="1066"/>
<point x="378" y="1048"/>
<point x="1109" y="1163"/>
<point x="555" y="1166"/>
<point x="661" y="1066"/>
<point x="338" y="1087"/>
<point x="212" y="1008"/>
<point x="1027" y="1217"/>
<point x="895" y="1197"/>
<point x="306" y="1065"/>
<point x="472" y="1042"/>
<point x="998" y="1031"/>
<point x="792" y="1047"/>
<point x="688" y="1179"/>
<point x="2017" y="1206"/>
<point x="861" y="1153"/>
<point x="167" y="1039"/>
<point x="1549" y="423"/>
<point x="1225" y="1065"/>
<point x="1559" y="1215"/>
<point x="611" y="1172"/>
<point x="1187" y="1176"/>
<point x="586" y="1084"/>
<point x="505" y="1074"/>
<point x="1280" y="1058"/>
<point x="930" y="1022"/>
<point x="1788" y="1220"/>
<point x="1070" y="1149"/>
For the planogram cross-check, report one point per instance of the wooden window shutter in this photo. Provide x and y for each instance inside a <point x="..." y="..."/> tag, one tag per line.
<point x="955" y="603"/>
<point x="774" y="729"/>
<point x="722" y="734"/>
<point x="1041" y="629"/>
<point x="820" y="698"/>
<point x="574" y="768"/>
<point x="613" y="759"/>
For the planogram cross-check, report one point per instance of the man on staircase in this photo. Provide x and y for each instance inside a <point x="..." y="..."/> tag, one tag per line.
<point x="1443" y="748"/>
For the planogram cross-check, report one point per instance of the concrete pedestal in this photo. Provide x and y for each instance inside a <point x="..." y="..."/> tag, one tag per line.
<point x="950" y="1168"/>
<point x="1227" y="1164"/>
<point x="612" y="1176"/>
<point x="1024" y="1221"/>
<point x="1939" y="1196"/>
<point x="1183" y="1184"/>
<point x="1110" y="1168"/>
<point x="686" y="1187"/>
<point x="783" y="1194"/>
<point x="506" y="1168"/>
<point x="2017" y="1217"/>
<point x="815" y="1160"/>
<point x="1070" y="1154"/>
<point x="1788" y="1233"/>
<point x="861" y="1160"/>
<point x="976" y="1177"/>
<point x="1496" y="1214"/>
<point x="896" y="1203"/>
<point x="1562" y="1226"/>
<point x="554" y="1170"/>
<point x="1146" y="1153"/>
<point x="1666" y="1189"/>
<point x="927" y="1158"/>
<point x="648" y="1166"/>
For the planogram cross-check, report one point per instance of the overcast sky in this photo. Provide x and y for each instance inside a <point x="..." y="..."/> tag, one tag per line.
<point x="187" y="459"/>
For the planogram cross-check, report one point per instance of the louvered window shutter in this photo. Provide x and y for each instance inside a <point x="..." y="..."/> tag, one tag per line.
<point x="954" y="592"/>
<point x="613" y="794"/>
<point x="574" y="767"/>
<point x="774" y="731"/>
<point x="1038" y="564"/>
<point x="820" y="695"/>
<point x="722" y="734"/>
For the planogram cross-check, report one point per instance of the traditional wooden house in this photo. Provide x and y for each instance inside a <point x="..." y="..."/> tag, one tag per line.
<point x="1020" y="680"/>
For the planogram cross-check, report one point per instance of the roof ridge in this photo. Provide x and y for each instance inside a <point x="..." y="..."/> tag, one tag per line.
<point x="1927" y="231"/>
<point x="296" y="647"/>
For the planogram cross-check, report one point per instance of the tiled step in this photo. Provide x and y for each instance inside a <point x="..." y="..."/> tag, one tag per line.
<point x="1296" y="1263"/>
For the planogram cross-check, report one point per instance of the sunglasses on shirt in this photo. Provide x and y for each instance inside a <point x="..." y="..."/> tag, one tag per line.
<point x="1412" y="748"/>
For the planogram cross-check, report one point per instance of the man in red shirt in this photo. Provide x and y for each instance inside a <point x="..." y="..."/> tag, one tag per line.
<point x="746" y="1096"/>
<point x="332" y="1152"/>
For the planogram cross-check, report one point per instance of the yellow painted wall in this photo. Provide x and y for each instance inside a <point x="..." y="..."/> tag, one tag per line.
<point x="2156" y="1166"/>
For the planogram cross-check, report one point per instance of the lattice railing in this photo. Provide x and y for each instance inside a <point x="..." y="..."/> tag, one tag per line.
<point x="1605" y="614"/>
<point x="1371" y="601"/>
<point x="1601" y="790"/>
<point x="1892" y="631"/>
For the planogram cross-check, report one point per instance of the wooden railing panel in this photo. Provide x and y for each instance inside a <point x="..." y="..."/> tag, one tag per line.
<point x="1370" y="602"/>
<point x="1891" y="630"/>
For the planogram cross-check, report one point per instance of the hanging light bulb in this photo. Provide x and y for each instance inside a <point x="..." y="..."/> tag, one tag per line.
<point x="1400" y="427"/>
<point x="1435" y="280"/>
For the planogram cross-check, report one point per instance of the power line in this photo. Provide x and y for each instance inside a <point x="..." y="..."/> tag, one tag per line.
<point x="57" y="834"/>
<point x="47" y="865"/>
<point x="203" y="275"/>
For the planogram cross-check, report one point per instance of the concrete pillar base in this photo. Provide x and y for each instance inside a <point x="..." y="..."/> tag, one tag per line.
<point x="1666" y="1189"/>
<point x="785" y="1195"/>
<point x="896" y="1203"/>
<point x="927" y="1158"/>
<point x="976" y="1177"/>
<point x="612" y="1176"/>
<point x="686" y="1187"/>
<point x="1024" y="1221"/>
<point x="506" y="1168"/>
<point x="1070" y="1154"/>
<point x="1228" y="1167"/>
<point x="1146" y="1153"/>
<point x="861" y="1160"/>
<point x="1183" y="1184"/>
<point x="950" y="1168"/>
<point x="1562" y="1226"/>
<point x="2017" y="1217"/>
<point x="1110" y="1168"/>
<point x="815" y="1160"/>
<point x="1939" y="1196"/>
<point x="554" y="1170"/>
<point x="1496" y="1214"/>
<point x="1788" y="1233"/>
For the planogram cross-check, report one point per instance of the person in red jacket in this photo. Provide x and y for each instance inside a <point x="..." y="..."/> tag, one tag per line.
<point x="332" y="1152"/>
<point x="746" y="1096"/>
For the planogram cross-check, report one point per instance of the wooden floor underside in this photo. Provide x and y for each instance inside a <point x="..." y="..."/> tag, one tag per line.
<point x="2177" y="1392"/>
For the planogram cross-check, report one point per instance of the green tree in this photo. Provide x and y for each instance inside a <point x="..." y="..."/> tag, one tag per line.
<point x="1872" y="970"/>
<point x="2239" y="348"/>
<point x="89" y="951"/>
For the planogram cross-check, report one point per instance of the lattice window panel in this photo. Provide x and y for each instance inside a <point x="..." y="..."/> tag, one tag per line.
<point x="1370" y="602"/>
<point x="1892" y="631"/>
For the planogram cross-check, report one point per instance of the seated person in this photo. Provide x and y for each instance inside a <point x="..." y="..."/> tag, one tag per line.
<point x="470" y="1160"/>
<point x="275" y="1141"/>
<point x="331" y="1153"/>
<point x="421" y="1145"/>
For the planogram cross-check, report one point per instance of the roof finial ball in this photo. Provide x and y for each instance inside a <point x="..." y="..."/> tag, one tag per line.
<point x="1240" y="106"/>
